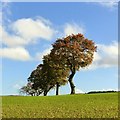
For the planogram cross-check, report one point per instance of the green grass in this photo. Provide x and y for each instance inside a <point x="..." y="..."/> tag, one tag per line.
<point x="104" y="105"/>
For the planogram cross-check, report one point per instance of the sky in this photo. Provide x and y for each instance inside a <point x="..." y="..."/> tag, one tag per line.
<point x="29" y="28"/>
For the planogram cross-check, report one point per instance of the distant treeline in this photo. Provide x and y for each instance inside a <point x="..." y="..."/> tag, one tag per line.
<point x="92" y="92"/>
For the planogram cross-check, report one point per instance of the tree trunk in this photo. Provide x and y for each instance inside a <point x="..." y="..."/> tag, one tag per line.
<point x="71" y="83"/>
<point x="45" y="93"/>
<point x="47" y="90"/>
<point x="57" y="88"/>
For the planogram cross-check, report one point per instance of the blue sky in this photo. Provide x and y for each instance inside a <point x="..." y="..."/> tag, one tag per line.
<point x="29" y="29"/>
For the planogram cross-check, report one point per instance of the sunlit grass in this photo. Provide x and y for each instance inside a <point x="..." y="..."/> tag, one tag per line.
<point x="104" y="105"/>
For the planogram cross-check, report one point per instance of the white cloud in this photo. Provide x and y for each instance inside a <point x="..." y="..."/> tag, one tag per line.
<point x="106" y="56"/>
<point x="111" y="49"/>
<point x="18" y="53"/>
<point x="11" y="39"/>
<point x="73" y="29"/>
<point x="26" y="31"/>
<point x="39" y="56"/>
<point x="109" y="4"/>
<point x="109" y="55"/>
<point x="78" y="91"/>
<point x="31" y="29"/>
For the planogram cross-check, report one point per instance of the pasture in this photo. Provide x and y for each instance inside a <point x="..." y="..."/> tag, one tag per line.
<point x="100" y="105"/>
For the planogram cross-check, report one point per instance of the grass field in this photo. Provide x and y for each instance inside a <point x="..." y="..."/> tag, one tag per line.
<point x="104" y="105"/>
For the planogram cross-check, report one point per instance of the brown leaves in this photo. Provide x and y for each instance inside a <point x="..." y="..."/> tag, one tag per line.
<point x="76" y="45"/>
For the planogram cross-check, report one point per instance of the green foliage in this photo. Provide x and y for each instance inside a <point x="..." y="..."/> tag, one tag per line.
<point x="103" y="105"/>
<point x="47" y="75"/>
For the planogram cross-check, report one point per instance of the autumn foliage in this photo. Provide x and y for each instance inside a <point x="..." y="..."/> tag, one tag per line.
<point x="75" y="52"/>
<point x="68" y="55"/>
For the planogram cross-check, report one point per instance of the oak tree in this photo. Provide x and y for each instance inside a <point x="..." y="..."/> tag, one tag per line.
<point x="73" y="52"/>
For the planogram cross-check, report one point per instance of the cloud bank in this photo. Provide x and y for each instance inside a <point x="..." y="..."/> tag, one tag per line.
<point x="106" y="56"/>
<point x="21" y="33"/>
<point x="26" y="31"/>
<point x="18" y="53"/>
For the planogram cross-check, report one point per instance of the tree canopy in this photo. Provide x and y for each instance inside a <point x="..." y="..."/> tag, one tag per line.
<point x="74" y="52"/>
<point x="68" y="55"/>
<point x="48" y="75"/>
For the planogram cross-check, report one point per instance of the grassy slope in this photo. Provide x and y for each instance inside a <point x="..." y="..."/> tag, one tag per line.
<point x="66" y="106"/>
